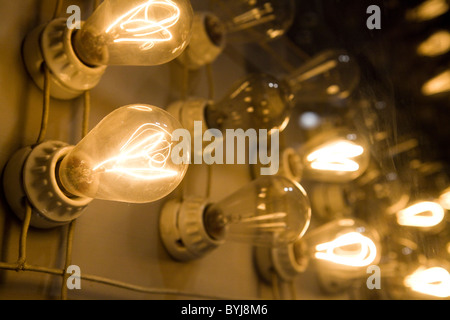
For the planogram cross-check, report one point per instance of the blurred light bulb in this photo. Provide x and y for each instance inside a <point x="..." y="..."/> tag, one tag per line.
<point x="126" y="157"/>
<point x="119" y="32"/>
<point x="236" y="21"/>
<point x="270" y="212"/>
<point x="437" y="44"/>
<point x="340" y="251"/>
<point x="255" y="21"/>
<point x="144" y="32"/>
<point x="444" y="199"/>
<point x="335" y="156"/>
<point x="257" y="102"/>
<point x="424" y="214"/>
<point x="438" y="84"/>
<point x="330" y="75"/>
<point x="347" y="243"/>
<point x="428" y="10"/>
<point x="433" y="281"/>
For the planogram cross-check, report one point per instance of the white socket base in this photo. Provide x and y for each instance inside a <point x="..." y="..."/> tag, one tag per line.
<point x="51" y="45"/>
<point x="182" y="230"/>
<point x="30" y="175"/>
<point x="283" y="261"/>
<point x="203" y="50"/>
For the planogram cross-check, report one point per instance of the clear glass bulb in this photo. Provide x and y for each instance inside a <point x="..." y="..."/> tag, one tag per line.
<point x="330" y="75"/>
<point x="135" y="32"/>
<point x="259" y="101"/>
<point x="343" y="248"/>
<point x="256" y="20"/>
<point x="126" y="157"/>
<point x="335" y="156"/>
<point x="271" y="211"/>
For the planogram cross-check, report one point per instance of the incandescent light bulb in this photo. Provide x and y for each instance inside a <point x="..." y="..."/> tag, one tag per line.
<point x="331" y="75"/>
<point x="269" y="212"/>
<point x="335" y="156"/>
<point x="127" y="157"/>
<point x="119" y="32"/>
<point x="236" y="21"/>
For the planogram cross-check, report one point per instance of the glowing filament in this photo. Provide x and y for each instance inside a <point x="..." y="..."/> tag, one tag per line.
<point x="140" y="24"/>
<point x="428" y="10"/>
<point x="143" y="156"/>
<point x="336" y="156"/>
<point x="422" y="215"/>
<point x="337" y="251"/>
<point x="444" y="199"/>
<point x="438" y="84"/>
<point x="435" y="45"/>
<point x="433" y="282"/>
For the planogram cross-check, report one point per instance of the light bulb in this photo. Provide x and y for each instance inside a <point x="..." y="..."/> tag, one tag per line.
<point x="119" y="32"/>
<point x="433" y="281"/>
<point x="236" y="21"/>
<point x="138" y="32"/>
<point x="444" y="199"/>
<point x="127" y="157"/>
<point x="427" y="10"/>
<point x="255" y="21"/>
<point x="270" y="212"/>
<point x="423" y="215"/>
<point x="338" y="252"/>
<point x="258" y="101"/>
<point x="439" y="84"/>
<point x="335" y="156"/>
<point x="331" y="75"/>
<point x="435" y="45"/>
<point x="425" y="279"/>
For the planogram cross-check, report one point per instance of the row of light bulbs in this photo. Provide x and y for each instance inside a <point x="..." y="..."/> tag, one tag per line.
<point x="134" y="164"/>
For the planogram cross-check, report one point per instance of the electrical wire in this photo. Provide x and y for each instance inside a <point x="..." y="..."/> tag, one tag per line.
<point x="46" y="106"/>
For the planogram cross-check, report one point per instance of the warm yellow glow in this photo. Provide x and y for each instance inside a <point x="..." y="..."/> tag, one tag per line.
<point x="351" y="249"/>
<point x="336" y="156"/>
<point x="143" y="156"/>
<point x="437" y="44"/>
<point x="428" y="10"/>
<point x="140" y="25"/>
<point x="444" y="199"/>
<point x="422" y="215"/>
<point x="438" y="84"/>
<point x="433" y="282"/>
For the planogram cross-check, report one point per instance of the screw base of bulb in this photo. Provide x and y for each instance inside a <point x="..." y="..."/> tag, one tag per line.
<point x="182" y="230"/>
<point x="30" y="176"/>
<point x="51" y="45"/>
<point x="286" y="262"/>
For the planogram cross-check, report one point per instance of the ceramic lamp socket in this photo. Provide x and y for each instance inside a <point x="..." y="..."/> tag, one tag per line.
<point x="207" y="41"/>
<point x="31" y="175"/>
<point x="182" y="229"/>
<point x="51" y="45"/>
<point x="286" y="262"/>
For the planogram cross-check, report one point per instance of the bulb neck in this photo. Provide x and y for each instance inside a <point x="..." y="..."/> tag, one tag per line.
<point x="31" y="174"/>
<point x="51" y="45"/>
<point x="183" y="231"/>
